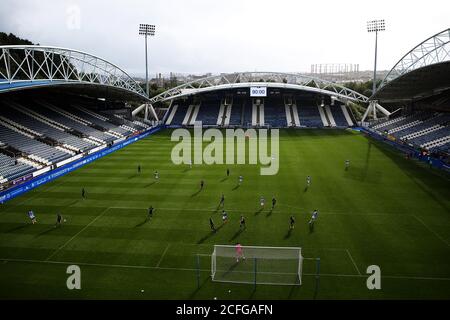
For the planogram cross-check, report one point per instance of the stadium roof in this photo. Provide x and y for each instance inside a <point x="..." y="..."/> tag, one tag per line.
<point x="29" y="67"/>
<point x="268" y="79"/>
<point x="422" y="72"/>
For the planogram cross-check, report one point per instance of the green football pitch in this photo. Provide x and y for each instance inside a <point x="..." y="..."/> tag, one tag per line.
<point x="384" y="210"/>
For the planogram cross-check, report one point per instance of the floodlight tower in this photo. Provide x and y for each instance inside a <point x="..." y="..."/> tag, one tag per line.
<point x="146" y="30"/>
<point x="375" y="26"/>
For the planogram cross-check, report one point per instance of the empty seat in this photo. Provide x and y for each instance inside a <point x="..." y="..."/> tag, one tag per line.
<point x="45" y="129"/>
<point x="30" y="146"/>
<point x="10" y="169"/>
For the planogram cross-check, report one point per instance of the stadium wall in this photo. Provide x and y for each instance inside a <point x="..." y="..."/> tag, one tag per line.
<point x="65" y="169"/>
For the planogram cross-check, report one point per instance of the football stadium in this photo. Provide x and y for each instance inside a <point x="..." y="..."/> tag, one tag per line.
<point x="248" y="185"/>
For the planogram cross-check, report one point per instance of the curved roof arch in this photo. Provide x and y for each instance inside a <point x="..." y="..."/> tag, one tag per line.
<point x="432" y="51"/>
<point x="32" y="66"/>
<point x="269" y="79"/>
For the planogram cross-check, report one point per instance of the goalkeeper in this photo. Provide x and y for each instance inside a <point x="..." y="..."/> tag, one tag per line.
<point x="239" y="252"/>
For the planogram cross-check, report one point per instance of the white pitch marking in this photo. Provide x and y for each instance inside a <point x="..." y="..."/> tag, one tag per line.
<point x="68" y="241"/>
<point x="162" y="256"/>
<point x="431" y="230"/>
<point x="353" y="261"/>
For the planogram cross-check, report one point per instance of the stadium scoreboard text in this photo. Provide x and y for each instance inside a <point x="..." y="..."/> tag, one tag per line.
<point x="258" y="91"/>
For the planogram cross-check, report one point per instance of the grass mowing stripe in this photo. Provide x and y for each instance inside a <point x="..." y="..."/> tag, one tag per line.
<point x="213" y="210"/>
<point x="56" y="184"/>
<point x="68" y="241"/>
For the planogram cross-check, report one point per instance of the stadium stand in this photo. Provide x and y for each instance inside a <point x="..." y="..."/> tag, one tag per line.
<point x="236" y="113"/>
<point x="44" y="133"/>
<point x="429" y="138"/>
<point x="119" y="126"/>
<point x="338" y="116"/>
<point x="141" y="122"/>
<point x="208" y="113"/>
<point x="101" y="121"/>
<point x="54" y="115"/>
<point x="309" y="115"/>
<point x="34" y="149"/>
<point x="426" y="129"/>
<point x="383" y="124"/>
<point x="247" y="113"/>
<point x="409" y="122"/>
<point x="435" y="122"/>
<point x="274" y="113"/>
<point x="135" y="124"/>
<point x="11" y="169"/>
<point x="19" y="117"/>
<point x="180" y="113"/>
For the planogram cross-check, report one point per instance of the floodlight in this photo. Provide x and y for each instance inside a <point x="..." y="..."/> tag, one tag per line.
<point x="375" y="26"/>
<point x="146" y="30"/>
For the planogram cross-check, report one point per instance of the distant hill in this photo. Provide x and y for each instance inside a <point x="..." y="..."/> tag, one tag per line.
<point x="10" y="39"/>
<point x="17" y="55"/>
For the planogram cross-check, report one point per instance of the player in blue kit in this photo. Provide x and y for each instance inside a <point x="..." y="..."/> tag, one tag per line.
<point x="313" y="219"/>
<point x="32" y="216"/>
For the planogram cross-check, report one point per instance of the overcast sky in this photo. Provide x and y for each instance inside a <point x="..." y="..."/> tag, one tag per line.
<point x="199" y="36"/>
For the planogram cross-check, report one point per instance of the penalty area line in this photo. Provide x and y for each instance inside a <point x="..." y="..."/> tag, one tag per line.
<point x="162" y="256"/>
<point x="353" y="261"/>
<point x="73" y="237"/>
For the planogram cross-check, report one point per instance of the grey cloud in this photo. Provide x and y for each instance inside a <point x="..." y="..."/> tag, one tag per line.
<point x="225" y="36"/>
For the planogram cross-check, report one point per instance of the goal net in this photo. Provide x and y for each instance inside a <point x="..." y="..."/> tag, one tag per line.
<point x="257" y="265"/>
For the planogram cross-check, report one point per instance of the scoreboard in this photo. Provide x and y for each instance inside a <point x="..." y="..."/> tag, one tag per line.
<point x="258" y="91"/>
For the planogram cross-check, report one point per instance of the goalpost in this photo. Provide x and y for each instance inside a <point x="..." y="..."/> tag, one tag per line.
<point x="257" y="265"/>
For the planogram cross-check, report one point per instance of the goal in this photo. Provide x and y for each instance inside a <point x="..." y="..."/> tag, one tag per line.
<point x="257" y="265"/>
